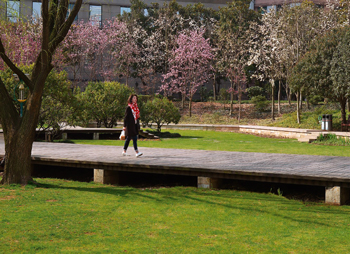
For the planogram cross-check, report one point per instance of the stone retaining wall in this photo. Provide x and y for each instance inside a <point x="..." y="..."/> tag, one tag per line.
<point x="274" y="133"/>
<point x="261" y="130"/>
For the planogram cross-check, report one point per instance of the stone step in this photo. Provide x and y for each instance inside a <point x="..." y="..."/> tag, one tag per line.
<point x="307" y="139"/>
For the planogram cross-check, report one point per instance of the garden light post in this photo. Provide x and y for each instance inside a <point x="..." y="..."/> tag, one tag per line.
<point x="22" y="93"/>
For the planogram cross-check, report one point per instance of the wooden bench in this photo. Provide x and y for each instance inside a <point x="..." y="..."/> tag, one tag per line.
<point x="346" y="125"/>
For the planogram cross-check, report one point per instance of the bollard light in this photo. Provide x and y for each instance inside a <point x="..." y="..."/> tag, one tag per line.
<point x="21" y="93"/>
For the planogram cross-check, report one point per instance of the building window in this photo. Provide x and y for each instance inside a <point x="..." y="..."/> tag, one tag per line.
<point x="294" y="4"/>
<point x="96" y="14"/>
<point x="251" y="5"/>
<point x="70" y="8"/>
<point x="125" y="9"/>
<point x="36" y="10"/>
<point x="12" y="10"/>
<point x="270" y="8"/>
<point x="266" y="9"/>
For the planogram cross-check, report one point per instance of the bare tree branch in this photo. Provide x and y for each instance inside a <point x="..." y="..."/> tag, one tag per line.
<point x="60" y="17"/>
<point x="52" y="17"/>
<point x="66" y="26"/>
<point x="14" y="68"/>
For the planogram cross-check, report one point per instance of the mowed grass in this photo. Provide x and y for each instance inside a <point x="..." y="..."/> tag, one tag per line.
<point x="60" y="216"/>
<point x="229" y="141"/>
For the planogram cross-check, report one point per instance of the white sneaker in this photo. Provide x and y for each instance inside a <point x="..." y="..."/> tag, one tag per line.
<point x="138" y="154"/>
<point x="124" y="153"/>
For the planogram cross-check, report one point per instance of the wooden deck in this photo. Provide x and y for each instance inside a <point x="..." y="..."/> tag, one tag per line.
<point x="327" y="171"/>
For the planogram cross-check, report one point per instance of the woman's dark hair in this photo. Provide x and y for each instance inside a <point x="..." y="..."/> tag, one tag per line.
<point x="130" y="98"/>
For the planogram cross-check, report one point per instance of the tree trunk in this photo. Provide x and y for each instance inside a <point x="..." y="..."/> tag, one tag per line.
<point x="298" y="109"/>
<point x="218" y="88"/>
<point x="190" y="106"/>
<point x="19" y="134"/>
<point x="273" y="104"/>
<point x="288" y="92"/>
<point x="239" y="103"/>
<point x="183" y="101"/>
<point x="231" y="103"/>
<point x="290" y="97"/>
<point x="18" y="166"/>
<point x="272" y="99"/>
<point x="279" y="97"/>
<point x="348" y="104"/>
<point x="343" y="110"/>
<point x="214" y="87"/>
<point x="301" y="100"/>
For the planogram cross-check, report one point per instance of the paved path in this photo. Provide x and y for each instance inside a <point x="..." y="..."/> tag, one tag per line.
<point x="323" y="170"/>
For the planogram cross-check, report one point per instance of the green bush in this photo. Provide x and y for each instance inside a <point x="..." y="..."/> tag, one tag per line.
<point x="224" y="95"/>
<point x="260" y="103"/>
<point x="205" y="94"/>
<point x="332" y="139"/>
<point x="315" y="99"/>
<point x="58" y="102"/>
<point x="159" y="111"/>
<point x="254" y="91"/>
<point x="104" y="102"/>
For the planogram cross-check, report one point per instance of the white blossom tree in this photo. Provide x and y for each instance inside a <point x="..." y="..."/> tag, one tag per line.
<point x="265" y="51"/>
<point x="283" y="37"/>
<point x="231" y="49"/>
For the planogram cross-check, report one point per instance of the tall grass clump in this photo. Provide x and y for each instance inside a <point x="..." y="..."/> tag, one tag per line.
<point x="332" y="139"/>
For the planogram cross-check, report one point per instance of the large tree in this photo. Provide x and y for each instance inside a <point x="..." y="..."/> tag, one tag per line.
<point x="233" y="23"/>
<point x="324" y="69"/>
<point x="189" y="66"/>
<point x="19" y="132"/>
<point x="265" y="51"/>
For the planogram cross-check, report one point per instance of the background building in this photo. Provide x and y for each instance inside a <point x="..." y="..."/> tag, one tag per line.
<point x="91" y="9"/>
<point x="106" y="9"/>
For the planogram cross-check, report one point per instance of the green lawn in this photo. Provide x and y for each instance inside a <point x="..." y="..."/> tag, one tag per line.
<point x="228" y="141"/>
<point x="62" y="216"/>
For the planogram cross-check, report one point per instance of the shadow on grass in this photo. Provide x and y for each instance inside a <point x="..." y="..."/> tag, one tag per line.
<point x="295" y="212"/>
<point x="172" y="135"/>
<point x="111" y="190"/>
<point x="191" y="137"/>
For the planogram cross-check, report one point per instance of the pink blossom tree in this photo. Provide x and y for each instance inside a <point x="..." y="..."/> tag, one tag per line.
<point x="189" y="65"/>
<point x="101" y="53"/>
<point x="22" y="41"/>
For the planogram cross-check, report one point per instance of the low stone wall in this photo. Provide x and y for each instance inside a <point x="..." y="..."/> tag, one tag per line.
<point x="260" y="130"/>
<point x="274" y="133"/>
<point x="202" y="127"/>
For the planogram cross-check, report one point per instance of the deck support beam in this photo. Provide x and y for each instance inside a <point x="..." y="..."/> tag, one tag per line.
<point x="106" y="176"/>
<point x="96" y="136"/>
<point x="64" y="135"/>
<point x="208" y="182"/>
<point x="337" y="195"/>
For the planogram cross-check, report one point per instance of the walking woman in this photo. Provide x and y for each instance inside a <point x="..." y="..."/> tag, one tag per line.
<point x="132" y="124"/>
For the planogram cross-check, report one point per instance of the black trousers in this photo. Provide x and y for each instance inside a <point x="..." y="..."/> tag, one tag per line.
<point x="127" y="141"/>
